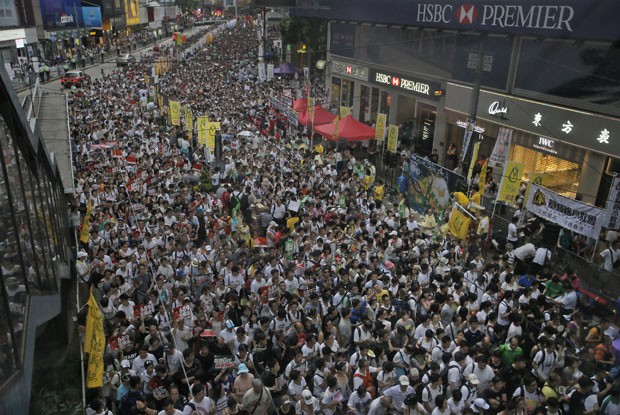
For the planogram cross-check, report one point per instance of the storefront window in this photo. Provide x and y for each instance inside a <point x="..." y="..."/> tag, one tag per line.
<point x="385" y="101"/>
<point x="564" y="175"/>
<point x="364" y="114"/>
<point x="335" y="92"/>
<point x="374" y="103"/>
<point x="346" y="98"/>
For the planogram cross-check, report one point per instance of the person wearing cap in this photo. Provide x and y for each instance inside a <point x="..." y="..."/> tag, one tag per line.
<point x="243" y="381"/>
<point x="286" y="407"/>
<point x="308" y="404"/>
<point x="399" y="393"/>
<point x="479" y="406"/>
<point x="257" y="400"/>
<point x="145" y="377"/>
<point x="469" y="390"/>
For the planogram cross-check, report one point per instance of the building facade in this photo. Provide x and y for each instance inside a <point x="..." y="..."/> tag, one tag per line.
<point x="548" y="74"/>
<point x="34" y="248"/>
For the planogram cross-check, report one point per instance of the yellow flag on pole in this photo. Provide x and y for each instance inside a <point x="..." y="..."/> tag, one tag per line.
<point x="212" y="128"/>
<point x="85" y="232"/>
<point x="392" y="140"/>
<point x="511" y="182"/>
<point x="189" y="122"/>
<point x="94" y="344"/>
<point x="482" y="180"/>
<point x="202" y="130"/>
<point x="474" y="159"/>
<point x="311" y="104"/>
<point x="344" y="111"/>
<point x="175" y="112"/>
<point x="458" y="224"/>
<point x="380" y="127"/>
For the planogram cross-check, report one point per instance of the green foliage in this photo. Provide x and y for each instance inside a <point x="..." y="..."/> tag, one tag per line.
<point x="58" y="391"/>
<point x="309" y="30"/>
<point x="188" y="5"/>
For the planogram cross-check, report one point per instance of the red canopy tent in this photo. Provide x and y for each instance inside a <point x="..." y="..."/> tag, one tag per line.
<point x="321" y="116"/>
<point x="300" y="105"/>
<point x="348" y="128"/>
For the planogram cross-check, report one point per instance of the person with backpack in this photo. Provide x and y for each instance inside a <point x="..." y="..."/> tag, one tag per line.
<point x="200" y="403"/>
<point x="452" y="376"/>
<point x="399" y="393"/>
<point x="428" y="393"/>
<point x="611" y="257"/>
<point x="546" y="360"/>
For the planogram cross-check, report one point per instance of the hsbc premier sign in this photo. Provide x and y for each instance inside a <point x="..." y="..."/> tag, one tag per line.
<point x="498" y="16"/>
<point x="405" y="83"/>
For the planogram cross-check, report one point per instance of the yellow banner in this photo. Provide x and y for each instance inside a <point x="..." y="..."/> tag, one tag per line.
<point x="336" y="123"/>
<point x="392" y="139"/>
<point x="311" y="104"/>
<point x="202" y="130"/>
<point x="511" y="182"/>
<point x="482" y="180"/>
<point x="189" y="122"/>
<point x="344" y="111"/>
<point x="160" y="101"/>
<point x="175" y="112"/>
<point x="212" y="129"/>
<point x="94" y="344"/>
<point x="380" y="127"/>
<point x="85" y="233"/>
<point x="474" y="159"/>
<point x="541" y="179"/>
<point x="458" y="224"/>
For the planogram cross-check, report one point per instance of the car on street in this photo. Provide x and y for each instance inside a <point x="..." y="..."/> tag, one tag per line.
<point x="125" y="59"/>
<point x="75" y="78"/>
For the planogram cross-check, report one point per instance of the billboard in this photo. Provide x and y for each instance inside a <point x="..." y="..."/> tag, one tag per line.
<point x="132" y="12"/>
<point x="92" y="17"/>
<point x="61" y="14"/>
<point x="8" y="13"/>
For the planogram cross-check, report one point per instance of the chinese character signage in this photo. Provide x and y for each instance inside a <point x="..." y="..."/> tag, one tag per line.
<point x="350" y="70"/>
<point x="570" y="214"/>
<point x="612" y="211"/>
<point x="553" y="124"/>
<point x="511" y="183"/>
<point x="61" y="14"/>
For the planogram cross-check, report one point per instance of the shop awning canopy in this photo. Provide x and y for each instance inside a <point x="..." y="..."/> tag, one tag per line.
<point x="348" y="128"/>
<point x="321" y="116"/>
<point x="285" y="69"/>
<point x="300" y="104"/>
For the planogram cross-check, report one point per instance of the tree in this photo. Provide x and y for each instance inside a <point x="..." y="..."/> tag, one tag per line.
<point x="188" y="5"/>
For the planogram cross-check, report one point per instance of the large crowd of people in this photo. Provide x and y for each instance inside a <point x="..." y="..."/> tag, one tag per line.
<point x="278" y="277"/>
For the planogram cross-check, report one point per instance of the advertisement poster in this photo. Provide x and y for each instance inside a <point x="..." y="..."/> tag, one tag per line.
<point x="132" y="12"/>
<point x="61" y="14"/>
<point x="92" y="17"/>
<point x="570" y="214"/>
<point x="430" y="186"/>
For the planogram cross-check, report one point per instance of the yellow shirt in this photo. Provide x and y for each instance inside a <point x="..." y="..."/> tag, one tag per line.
<point x="379" y="192"/>
<point x="367" y="182"/>
<point x="290" y="223"/>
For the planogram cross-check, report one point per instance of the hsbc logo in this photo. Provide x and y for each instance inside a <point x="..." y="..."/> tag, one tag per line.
<point x="467" y="14"/>
<point x="395" y="81"/>
<point x="348" y="69"/>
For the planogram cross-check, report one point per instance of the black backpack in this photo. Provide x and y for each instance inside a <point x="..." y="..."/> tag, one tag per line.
<point x="445" y="371"/>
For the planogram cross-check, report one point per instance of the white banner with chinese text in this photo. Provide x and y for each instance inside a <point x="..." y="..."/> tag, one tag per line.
<point x="568" y="213"/>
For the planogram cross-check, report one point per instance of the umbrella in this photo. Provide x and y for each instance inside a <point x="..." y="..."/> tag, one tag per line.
<point x="247" y="134"/>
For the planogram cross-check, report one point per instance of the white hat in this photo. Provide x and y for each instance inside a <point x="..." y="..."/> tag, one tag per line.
<point x="307" y="395"/>
<point x="125" y="364"/>
<point x="403" y="380"/>
<point x="481" y="403"/>
<point x="473" y="379"/>
<point x="393" y="233"/>
<point x="82" y="254"/>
